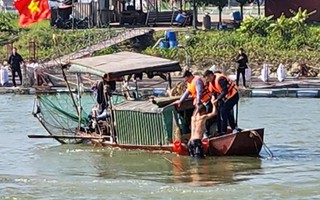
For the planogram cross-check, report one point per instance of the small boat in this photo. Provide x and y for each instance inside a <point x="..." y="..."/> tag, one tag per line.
<point x="139" y="121"/>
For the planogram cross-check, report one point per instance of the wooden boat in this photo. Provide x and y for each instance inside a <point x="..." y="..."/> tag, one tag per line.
<point x="144" y="123"/>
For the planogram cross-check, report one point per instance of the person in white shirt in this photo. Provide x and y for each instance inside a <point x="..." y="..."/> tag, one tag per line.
<point x="4" y="74"/>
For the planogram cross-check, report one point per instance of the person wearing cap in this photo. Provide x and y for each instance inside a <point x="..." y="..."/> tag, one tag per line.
<point x="199" y="92"/>
<point x="227" y="96"/>
<point x="241" y="60"/>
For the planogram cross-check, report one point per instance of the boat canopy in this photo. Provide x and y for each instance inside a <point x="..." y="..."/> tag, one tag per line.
<point x="123" y="63"/>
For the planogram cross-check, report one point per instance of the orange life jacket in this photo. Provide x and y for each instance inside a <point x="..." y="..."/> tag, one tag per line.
<point x="206" y="96"/>
<point x="232" y="88"/>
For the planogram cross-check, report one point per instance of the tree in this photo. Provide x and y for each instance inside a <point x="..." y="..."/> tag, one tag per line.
<point x="8" y="32"/>
<point x="242" y="3"/>
<point x="220" y="4"/>
<point x="258" y="3"/>
<point x="195" y="15"/>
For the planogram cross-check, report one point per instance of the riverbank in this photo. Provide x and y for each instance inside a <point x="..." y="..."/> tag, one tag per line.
<point x="291" y="87"/>
<point x="202" y="48"/>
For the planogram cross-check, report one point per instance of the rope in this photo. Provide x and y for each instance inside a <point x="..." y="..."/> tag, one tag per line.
<point x="265" y="147"/>
<point x="175" y="165"/>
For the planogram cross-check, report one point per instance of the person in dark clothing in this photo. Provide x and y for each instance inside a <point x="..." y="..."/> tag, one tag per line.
<point x="103" y="91"/>
<point x="15" y="60"/>
<point x="227" y="96"/>
<point x="242" y="60"/>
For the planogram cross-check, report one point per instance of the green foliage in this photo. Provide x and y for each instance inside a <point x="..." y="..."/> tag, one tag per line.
<point x="288" y="28"/>
<point x="255" y="26"/>
<point x="165" y="53"/>
<point x="220" y="48"/>
<point x="6" y="22"/>
<point x="293" y="28"/>
<point x="8" y="32"/>
<point x="289" y="40"/>
<point x="108" y="50"/>
<point x="67" y="41"/>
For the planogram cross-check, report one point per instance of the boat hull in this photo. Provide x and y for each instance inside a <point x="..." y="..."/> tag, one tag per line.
<point x="248" y="142"/>
<point x="245" y="143"/>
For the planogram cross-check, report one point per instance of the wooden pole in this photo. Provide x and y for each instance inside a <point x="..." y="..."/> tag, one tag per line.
<point x="69" y="89"/>
<point x="65" y="137"/>
<point x="107" y="98"/>
<point x="79" y="101"/>
<point x="237" y="111"/>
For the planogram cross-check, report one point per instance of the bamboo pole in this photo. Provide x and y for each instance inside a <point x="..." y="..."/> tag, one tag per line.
<point x="66" y="137"/>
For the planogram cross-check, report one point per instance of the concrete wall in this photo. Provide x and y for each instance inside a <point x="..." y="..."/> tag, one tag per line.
<point x="276" y="7"/>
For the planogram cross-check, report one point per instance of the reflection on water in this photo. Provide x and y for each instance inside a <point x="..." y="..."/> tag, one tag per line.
<point x="43" y="169"/>
<point x="163" y="168"/>
<point x="212" y="171"/>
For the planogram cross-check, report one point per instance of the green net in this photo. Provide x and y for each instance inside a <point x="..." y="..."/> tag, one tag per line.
<point x="59" y="116"/>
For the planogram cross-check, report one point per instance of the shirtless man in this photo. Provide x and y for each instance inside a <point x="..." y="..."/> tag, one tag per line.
<point x="198" y="127"/>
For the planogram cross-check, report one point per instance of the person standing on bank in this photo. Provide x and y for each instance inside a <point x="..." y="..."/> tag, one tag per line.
<point x="228" y="96"/>
<point x="15" y="61"/>
<point x="200" y="94"/>
<point x="242" y="60"/>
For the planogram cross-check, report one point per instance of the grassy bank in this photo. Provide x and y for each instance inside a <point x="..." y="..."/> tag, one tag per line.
<point x="220" y="48"/>
<point x="51" y="42"/>
<point x="286" y="41"/>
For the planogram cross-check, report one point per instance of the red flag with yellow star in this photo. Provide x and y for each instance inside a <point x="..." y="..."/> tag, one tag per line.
<point x="31" y="11"/>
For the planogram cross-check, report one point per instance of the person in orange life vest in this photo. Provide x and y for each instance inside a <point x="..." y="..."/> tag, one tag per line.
<point x="200" y="94"/>
<point x="227" y="96"/>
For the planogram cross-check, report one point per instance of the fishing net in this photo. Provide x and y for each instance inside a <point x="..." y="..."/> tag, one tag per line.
<point x="58" y="115"/>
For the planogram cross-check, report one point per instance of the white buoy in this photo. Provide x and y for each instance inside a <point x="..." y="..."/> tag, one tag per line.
<point x="248" y="74"/>
<point x="265" y="73"/>
<point x="281" y="72"/>
<point x="4" y="75"/>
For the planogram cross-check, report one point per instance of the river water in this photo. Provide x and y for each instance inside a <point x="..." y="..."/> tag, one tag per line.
<point x="44" y="169"/>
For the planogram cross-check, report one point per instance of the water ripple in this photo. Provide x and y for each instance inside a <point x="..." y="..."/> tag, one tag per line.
<point x="44" y="169"/>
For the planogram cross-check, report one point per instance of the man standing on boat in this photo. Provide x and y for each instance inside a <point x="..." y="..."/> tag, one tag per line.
<point x="199" y="92"/>
<point x="227" y="96"/>
<point x="198" y="125"/>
